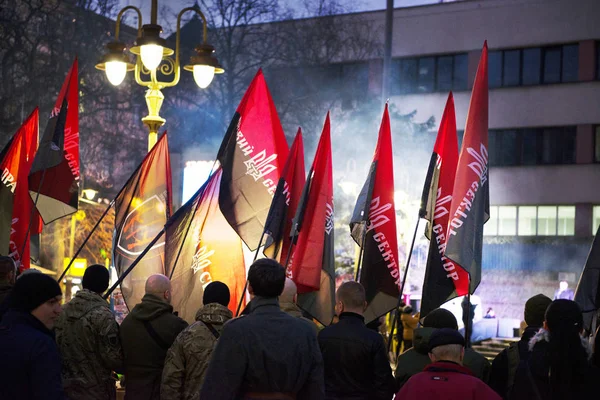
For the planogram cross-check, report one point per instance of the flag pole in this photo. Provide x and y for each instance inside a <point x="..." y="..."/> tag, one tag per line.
<point x="396" y="319"/>
<point x="32" y="213"/>
<point x="136" y="262"/>
<point x="468" y="322"/>
<point x="260" y="242"/>
<point x="361" y="254"/>
<point x="74" y="256"/>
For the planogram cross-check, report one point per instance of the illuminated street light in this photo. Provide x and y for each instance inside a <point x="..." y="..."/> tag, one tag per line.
<point x="152" y="55"/>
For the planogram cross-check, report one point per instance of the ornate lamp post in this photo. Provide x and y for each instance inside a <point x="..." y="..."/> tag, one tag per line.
<point x="150" y="51"/>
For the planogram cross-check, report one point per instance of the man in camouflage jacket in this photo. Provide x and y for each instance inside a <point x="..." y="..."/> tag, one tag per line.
<point x="88" y="339"/>
<point x="188" y="357"/>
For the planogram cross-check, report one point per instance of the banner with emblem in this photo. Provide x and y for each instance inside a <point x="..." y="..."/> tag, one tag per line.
<point x="285" y="202"/>
<point x="373" y="224"/>
<point x="141" y="211"/>
<point x="15" y="204"/>
<point x="202" y="248"/>
<point x="470" y="207"/>
<point x="311" y="265"/>
<point x="443" y="279"/>
<point x="54" y="175"/>
<point x="252" y="156"/>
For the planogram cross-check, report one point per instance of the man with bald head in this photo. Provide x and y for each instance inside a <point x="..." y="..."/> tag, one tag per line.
<point x="146" y="335"/>
<point x="287" y="303"/>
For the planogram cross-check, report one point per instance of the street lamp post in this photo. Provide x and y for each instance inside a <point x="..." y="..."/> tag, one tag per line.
<point x="150" y="51"/>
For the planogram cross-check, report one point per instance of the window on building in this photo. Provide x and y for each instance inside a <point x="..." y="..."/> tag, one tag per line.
<point x="430" y="74"/>
<point x="532" y="146"/>
<point x="547" y="220"/>
<point x="532" y="66"/>
<point x="596" y="219"/>
<point x="507" y="220"/>
<point x="527" y="220"/>
<point x="597" y="144"/>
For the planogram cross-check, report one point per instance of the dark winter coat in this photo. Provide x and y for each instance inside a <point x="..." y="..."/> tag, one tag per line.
<point x="145" y="355"/>
<point x="5" y="290"/>
<point x="535" y="374"/>
<point x="505" y="364"/>
<point x="267" y="351"/>
<point x="413" y="361"/>
<point x="295" y="311"/>
<point x="355" y="360"/>
<point x="188" y="357"/>
<point x="30" y="362"/>
<point x="88" y="339"/>
<point x="446" y="380"/>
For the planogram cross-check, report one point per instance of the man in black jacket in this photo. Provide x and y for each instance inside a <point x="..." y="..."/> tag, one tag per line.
<point x="146" y="334"/>
<point x="356" y="364"/>
<point x="266" y="354"/>
<point x="505" y="364"/>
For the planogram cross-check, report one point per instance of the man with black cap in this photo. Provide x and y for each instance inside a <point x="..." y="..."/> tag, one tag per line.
<point x="414" y="360"/>
<point x="446" y="378"/>
<point x="188" y="357"/>
<point x="88" y="339"/>
<point x="266" y="354"/>
<point x="30" y="367"/>
<point x="504" y="366"/>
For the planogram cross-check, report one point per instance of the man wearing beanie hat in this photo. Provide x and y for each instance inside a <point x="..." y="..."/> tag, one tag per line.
<point x="414" y="360"/>
<point x="504" y="366"/>
<point x="446" y="378"/>
<point x="30" y="367"/>
<point x="188" y="357"/>
<point x="88" y="339"/>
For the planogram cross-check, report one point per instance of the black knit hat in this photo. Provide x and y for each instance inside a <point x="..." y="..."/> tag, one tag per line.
<point x="440" y="318"/>
<point x="95" y="278"/>
<point x="216" y="292"/>
<point x="32" y="290"/>
<point x="444" y="336"/>
<point x="535" y="310"/>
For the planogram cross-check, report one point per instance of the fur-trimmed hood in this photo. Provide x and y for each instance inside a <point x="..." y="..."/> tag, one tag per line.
<point x="544" y="336"/>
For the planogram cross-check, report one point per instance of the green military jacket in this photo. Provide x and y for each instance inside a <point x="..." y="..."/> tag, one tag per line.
<point x="88" y="340"/>
<point x="188" y="357"/>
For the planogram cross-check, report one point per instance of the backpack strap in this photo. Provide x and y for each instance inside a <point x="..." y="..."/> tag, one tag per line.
<point x="154" y="335"/>
<point x="211" y="329"/>
<point x="513" y="358"/>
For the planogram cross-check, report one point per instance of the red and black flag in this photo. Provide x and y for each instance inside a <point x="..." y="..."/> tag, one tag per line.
<point x="285" y="203"/>
<point x="202" y="248"/>
<point x="311" y="265"/>
<point x="141" y="211"/>
<point x="443" y="279"/>
<point x="470" y="207"/>
<point x="252" y="156"/>
<point x="587" y="294"/>
<point x="373" y="224"/>
<point x="15" y="204"/>
<point x="54" y="176"/>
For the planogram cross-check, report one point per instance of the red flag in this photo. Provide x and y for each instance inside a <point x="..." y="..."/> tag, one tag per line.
<point x="54" y="174"/>
<point x="252" y="155"/>
<point x="443" y="279"/>
<point x="375" y="216"/>
<point x="285" y="202"/>
<point x="470" y="207"/>
<point x="15" y="203"/>
<point x="141" y="211"/>
<point x="312" y="263"/>
<point x="202" y="248"/>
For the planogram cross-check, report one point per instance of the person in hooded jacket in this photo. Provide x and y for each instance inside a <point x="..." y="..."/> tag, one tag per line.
<point x="558" y="366"/>
<point x="504" y="366"/>
<point x="146" y="335"/>
<point x="88" y="339"/>
<point x="187" y="359"/>
<point x="30" y="366"/>
<point x="413" y="361"/>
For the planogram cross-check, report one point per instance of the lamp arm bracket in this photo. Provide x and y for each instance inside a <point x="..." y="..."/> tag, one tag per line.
<point x="204" y="29"/>
<point x="118" y="25"/>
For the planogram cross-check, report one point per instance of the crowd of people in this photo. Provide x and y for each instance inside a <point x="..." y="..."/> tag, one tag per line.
<point x="74" y="351"/>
